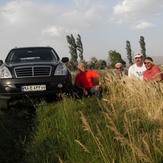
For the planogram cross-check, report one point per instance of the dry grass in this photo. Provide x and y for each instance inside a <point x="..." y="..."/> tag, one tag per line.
<point x="133" y="111"/>
<point x="125" y="126"/>
<point x="137" y="103"/>
<point x="135" y="94"/>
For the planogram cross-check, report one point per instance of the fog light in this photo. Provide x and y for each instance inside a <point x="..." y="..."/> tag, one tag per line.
<point x="7" y="88"/>
<point x="60" y="85"/>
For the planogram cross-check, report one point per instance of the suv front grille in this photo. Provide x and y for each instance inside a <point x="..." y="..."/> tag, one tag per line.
<point x="32" y="71"/>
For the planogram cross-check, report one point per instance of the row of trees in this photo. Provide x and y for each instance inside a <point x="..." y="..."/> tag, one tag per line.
<point x="76" y="52"/>
<point x="115" y="57"/>
<point x="75" y="48"/>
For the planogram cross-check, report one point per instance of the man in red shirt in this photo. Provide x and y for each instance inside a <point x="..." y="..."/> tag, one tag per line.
<point x="153" y="72"/>
<point x="88" y="81"/>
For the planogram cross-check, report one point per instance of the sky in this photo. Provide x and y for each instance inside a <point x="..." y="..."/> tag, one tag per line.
<point x="103" y="25"/>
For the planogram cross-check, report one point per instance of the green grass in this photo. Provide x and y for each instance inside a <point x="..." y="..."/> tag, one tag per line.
<point x="118" y="128"/>
<point x="125" y="126"/>
<point x="61" y="125"/>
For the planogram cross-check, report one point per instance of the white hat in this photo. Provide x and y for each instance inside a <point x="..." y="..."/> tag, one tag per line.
<point x="137" y="55"/>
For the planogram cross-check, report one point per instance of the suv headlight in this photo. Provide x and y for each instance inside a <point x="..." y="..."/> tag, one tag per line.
<point x="4" y="72"/>
<point x="61" y="70"/>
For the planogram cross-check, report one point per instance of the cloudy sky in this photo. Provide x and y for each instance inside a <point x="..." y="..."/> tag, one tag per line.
<point x="103" y="25"/>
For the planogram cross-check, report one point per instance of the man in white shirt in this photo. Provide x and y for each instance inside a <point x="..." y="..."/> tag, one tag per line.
<point x="138" y="68"/>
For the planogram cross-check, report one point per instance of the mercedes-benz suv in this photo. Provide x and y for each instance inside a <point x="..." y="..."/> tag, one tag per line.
<point x="33" y="71"/>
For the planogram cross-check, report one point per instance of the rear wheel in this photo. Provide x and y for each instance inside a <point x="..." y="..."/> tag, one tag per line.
<point x="3" y="104"/>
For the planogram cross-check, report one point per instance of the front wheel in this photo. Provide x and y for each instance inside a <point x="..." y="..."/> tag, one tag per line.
<point x="3" y="104"/>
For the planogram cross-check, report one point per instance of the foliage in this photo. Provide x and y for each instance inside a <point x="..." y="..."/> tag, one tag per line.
<point x="93" y="62"/>
<point x="72" y="48"/>
<point x="75" y="46"/>
<point x="129" y="54"/>
<point x="80" y="47"/>
<point x="97" y="64"/>
<point x="71" y="66"/>
<point x="101" y="64"/>
<point x="59" y="135"/>
<point x="125" y="126"/>
<point x="115" y="57"/>
<point x="142" y="45"/>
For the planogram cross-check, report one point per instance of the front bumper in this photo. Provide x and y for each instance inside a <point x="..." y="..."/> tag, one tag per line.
<point x="12" y="88"/>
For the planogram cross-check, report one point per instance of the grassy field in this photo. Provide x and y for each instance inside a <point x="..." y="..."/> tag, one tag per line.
<point x="125" y="126"/>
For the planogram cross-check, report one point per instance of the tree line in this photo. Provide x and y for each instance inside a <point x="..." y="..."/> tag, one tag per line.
<point x="76" y="52"/>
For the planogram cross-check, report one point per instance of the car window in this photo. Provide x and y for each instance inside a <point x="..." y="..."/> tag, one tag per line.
<point x="21" y="55"/>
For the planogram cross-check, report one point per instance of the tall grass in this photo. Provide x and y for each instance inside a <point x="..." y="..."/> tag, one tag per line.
<point x="124" y="126"/>
<point x="133" y="110"/>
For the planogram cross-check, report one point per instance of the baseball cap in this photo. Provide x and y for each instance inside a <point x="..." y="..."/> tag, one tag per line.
<point x="138" y="54"/>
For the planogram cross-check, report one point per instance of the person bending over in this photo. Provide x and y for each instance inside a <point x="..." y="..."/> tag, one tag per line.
<point x="88" y="82"/>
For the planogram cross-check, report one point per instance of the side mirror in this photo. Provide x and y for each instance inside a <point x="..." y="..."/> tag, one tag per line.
<point x="1" y="62"/>
<point x="65" y="59"/>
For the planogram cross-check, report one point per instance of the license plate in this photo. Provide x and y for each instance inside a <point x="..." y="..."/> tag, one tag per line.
<point x="33" y="88"/>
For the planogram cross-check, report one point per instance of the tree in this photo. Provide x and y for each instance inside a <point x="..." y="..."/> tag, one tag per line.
<point x="115" y="57"/>
<point x="101" y="64"/>
<point x="129" y="55"/>
<point x="93" y="63"/>
<point x="75" y="46"/>
<point x="142" y="46"/>
<point x="80" y="47"/>
<point x="72" y="48"/>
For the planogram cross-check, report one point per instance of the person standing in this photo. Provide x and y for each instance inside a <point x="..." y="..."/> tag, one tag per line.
<point x="153" y="72"/>
<point x="88" y="82"/>
<point x="138" y="68"/>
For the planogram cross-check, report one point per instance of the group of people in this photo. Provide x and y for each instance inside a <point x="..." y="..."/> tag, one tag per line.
<point x="145" y="69"/>
<point x="88" y="82"/>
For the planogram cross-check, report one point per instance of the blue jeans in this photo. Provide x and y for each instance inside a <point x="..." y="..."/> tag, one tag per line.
<point x="97" y="93"/>
<point x="80" y="94"/>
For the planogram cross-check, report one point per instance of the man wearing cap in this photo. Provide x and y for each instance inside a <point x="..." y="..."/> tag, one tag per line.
<point x="138" y="68"/>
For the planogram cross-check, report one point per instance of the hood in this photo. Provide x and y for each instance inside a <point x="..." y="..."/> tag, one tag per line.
<point x="22" y="64"/>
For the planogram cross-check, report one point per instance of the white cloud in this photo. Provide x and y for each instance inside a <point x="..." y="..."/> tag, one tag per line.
<point x="144" y="25"/>
<point x="129" y="11"/>
<point x="30" y="15"/>
<point x="10" y="12"/>
<point x="30" y="23"/>
<point x="52" y="31"/>
<point x="26" y="23"/>
<point x="82" y="2"/>
<point x="96" y="11"/>
<point x="22" y="13"/>
<point x="73" y="19"/>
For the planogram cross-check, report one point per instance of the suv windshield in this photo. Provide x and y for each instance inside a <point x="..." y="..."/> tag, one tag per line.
<point x="32" y="54"/>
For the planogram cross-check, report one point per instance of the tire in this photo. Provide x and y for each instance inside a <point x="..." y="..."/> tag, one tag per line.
<point x="3" y="104"/>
